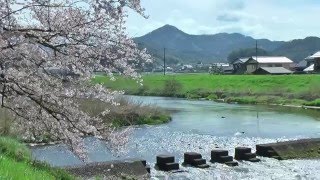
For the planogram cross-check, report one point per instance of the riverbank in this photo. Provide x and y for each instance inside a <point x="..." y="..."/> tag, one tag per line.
<point x="16" y="163"/>
<point x="127" y="113"/>
<point x="299" y="90"/>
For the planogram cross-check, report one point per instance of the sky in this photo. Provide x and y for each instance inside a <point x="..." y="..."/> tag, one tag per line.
<point x="271" y="19"/>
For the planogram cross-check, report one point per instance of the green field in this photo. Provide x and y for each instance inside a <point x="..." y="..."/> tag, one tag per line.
<point x="253" y="89"/>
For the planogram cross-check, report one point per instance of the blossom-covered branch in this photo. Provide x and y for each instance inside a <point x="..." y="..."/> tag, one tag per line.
<point x="49" y="51"/>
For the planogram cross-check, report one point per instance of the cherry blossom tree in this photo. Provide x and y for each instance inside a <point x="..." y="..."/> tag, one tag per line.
<point x="49" y="51"/>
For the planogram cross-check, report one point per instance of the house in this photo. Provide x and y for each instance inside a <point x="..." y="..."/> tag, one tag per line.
<point x="187" y="68"/>
<point x="316" y="60"/>
<point x="228" y="69"/>
<point x="239" y="66"/>
<point x="221" y="68"/>
<point x="302" y="65"/>
<point x="309" y="60"/>
<point x="255" y="63"/>
<point x="272" y="70"/>
<point x="312" y="63"/>
<point x="309" y="69"/>
<point x="169" y="69"/>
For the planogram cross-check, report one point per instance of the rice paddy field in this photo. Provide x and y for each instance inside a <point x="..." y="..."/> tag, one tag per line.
<point x="247" y="89"/>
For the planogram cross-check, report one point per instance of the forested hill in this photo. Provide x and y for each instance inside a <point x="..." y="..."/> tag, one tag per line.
<point x="299" y="49"/>
<point x="183" y="47"/>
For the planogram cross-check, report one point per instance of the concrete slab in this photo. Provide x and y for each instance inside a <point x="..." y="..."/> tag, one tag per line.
<point x="298" y="149"/>
<point x="111" y="170"/>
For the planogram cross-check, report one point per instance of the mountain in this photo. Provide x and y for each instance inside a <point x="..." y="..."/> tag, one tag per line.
<point x="234" y="55"/>
<point x="185" y="48"/>
<point x="299" y="49"/>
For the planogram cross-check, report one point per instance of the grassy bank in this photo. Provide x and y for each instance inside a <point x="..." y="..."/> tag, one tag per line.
<point x="128" y="112"/>
<point x="16" y="163"/>
<point x="247" y="89"/>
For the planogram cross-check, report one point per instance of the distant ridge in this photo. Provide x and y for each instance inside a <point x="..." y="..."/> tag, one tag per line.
<point x="186" y="48"/>
<point x="299" y="49"/>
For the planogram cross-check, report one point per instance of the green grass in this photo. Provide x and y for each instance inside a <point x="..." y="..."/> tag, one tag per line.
<point x="16" y="163"/>
<point x="14" y="150"/>
<point x="313" y="103"/>
<point x="281" y="89"/>
<point x="10" y="169"/>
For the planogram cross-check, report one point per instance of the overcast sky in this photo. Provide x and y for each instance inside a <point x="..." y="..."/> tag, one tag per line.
<point x="272" y="19"/>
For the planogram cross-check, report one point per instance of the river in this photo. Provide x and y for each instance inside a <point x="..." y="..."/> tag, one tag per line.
<point x="201" y="126"/>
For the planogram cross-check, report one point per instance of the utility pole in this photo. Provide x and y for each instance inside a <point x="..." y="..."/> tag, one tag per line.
<point x="256" y="50"/>
<point x="164" y="61"/>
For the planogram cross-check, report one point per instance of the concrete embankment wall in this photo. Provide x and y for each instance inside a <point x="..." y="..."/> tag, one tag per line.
<point x="304" y="148"/>
<point x="111" y="170"/>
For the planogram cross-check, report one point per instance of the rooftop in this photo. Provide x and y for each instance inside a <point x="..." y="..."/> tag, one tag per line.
<point x="315" y="55"/>
<point x="276" y="70"/>
<point x="241" y="60"/>
<point x="272" y="59"/>
<point x="222" y="64"/>
<point x="309" y="69"/>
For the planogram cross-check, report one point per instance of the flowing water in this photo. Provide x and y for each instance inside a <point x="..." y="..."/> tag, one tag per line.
<point x="201" y="126"/>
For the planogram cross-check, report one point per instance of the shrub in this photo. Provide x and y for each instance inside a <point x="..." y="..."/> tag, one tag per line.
<point x="212" y="97"/>
<point x="193" y="96"/>
<point x="127" y="113"/>
<point x="220" y="94"/>
<point x="242" y="100"/>
<point x="200" y="93"/>
<point x="171" y="87"/>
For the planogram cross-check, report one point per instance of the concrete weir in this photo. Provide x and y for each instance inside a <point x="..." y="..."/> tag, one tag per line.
<point x="297" y="149"/>
<point x="195" y="159"/>
<point x="166" y="163"/>
<point x="222" y="156"/>
<point x="245" y="154"/>
<point x="134" y="168"/>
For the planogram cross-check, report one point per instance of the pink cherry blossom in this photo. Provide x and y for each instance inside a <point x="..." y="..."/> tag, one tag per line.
<point x="49" y="51"/>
